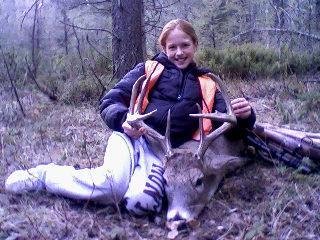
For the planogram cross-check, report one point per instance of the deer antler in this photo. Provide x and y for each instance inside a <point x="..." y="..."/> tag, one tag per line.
<point x="228" y="118"/>
<point x="135" y="117"/>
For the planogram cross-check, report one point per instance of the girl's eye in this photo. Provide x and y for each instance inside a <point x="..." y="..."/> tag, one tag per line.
<point x="172" y="47"/>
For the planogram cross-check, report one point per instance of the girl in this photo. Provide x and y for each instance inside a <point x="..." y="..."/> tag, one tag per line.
<point x="131" y="173"/>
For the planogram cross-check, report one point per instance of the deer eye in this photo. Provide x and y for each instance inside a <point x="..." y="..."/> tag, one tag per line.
<point x="199" y="182"/>
<point x="196" y="177"/>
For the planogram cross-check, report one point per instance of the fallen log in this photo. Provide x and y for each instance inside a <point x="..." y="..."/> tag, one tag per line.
<point x="311" y="137"/>
<point x="303" y="145"/>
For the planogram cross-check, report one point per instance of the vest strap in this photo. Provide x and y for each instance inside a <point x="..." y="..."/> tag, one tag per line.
<point x="153" y="70"/>
<point x="208" y="89"/>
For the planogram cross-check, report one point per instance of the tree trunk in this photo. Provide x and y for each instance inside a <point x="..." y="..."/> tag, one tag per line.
<point x="317" y="17"/>
<point x="309" y="27"/>
<point x="128" y="35"/>
<point x="212" y="32"/>
<point x="253" y="18"/>
<point x="280" y="21"/>
<point x="65" y="40"/>
<point x="35" y="41"/>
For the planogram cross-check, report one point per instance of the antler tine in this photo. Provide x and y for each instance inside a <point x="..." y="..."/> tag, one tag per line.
<point x="228" y="118"/>
<point x="167" y="136"/>
<point x="223" y="90"/>
<point x="222" y="117"/>
<point x="135" y="118"/>
<point x="134" y="93"/>
<point x="151" y="134"/>
<point x="205" y="141"/>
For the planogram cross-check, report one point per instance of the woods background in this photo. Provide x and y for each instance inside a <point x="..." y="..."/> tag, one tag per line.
<point x="58" y="57"/>
<point x="96" y="42"/>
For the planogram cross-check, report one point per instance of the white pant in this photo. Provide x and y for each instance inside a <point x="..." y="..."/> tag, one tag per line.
<point x="130" y="172"/>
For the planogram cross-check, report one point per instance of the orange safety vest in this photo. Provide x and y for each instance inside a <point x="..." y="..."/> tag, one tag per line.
<point x="207" y="85"/>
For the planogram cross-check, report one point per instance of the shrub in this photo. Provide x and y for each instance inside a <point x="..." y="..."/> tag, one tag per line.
<point x="311" y="103"/>
<point x="250" y="60"/>
<point x="80" y="91"/>
<point x="103" y="65"/>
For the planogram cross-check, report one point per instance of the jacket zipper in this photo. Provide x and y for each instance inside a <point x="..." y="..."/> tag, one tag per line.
<point x="182" y="85"/>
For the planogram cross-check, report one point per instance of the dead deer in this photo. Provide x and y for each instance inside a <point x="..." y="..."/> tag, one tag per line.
<point x="193" y="171"/>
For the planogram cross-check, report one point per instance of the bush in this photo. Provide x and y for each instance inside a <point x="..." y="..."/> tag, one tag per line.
<point x="80" y="91"/>
<point x="311" y="103"/>
<point x="250" y="60"/>
<point x="103" y="65"/>
<point x="303" y="63"/>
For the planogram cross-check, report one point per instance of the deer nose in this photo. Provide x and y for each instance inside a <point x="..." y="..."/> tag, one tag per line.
<point x="176" y="217"/>
<point x="177" y="222"/>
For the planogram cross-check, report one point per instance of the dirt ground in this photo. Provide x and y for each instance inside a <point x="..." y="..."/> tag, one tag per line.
<point x="260" y="201"/>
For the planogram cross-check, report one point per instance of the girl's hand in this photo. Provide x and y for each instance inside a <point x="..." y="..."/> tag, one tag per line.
<point x="241" y="108"/>
<point x="131" y="131"/>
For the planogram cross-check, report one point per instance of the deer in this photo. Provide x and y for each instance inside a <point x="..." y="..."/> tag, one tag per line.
<point x="194" y="170"/>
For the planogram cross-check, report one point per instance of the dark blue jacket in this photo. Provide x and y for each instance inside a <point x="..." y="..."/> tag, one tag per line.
<point x="176" y="89"/>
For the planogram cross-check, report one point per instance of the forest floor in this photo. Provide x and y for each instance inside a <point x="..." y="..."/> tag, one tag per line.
<point x="260" y="201"/>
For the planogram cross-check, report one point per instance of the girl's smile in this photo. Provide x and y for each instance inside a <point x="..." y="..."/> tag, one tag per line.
<point x="180" y="48"/>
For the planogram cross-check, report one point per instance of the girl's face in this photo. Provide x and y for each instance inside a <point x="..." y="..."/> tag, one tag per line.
<point x="180" y="48"/>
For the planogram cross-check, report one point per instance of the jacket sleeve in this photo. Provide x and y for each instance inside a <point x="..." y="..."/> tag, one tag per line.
<point x="220" y="105"/>
<point x="114" y="105"/>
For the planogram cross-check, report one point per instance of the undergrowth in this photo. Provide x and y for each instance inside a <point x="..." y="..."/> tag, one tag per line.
<point x="255" y="61"/>
<point x="75" y="81"/>
<point x="299" y="101"/>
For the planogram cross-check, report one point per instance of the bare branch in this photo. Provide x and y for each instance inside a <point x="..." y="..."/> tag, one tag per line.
<point x="88" y="3"/>
<point x="162" y="7"/>
<point x="95" y="74"/>
<point x="299" y="33"/>
<point x="99" y="52"/>
<point x="51" y="96"/>
<point x="27" y="12"/>
<point x="89" y="29"/>
<point x="79" y="52"/>
<point x="11" y="80"/>
<point x="73" y="4"/>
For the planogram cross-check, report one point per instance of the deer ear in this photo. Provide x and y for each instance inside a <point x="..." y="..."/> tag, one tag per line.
<point x="221" y="164"/>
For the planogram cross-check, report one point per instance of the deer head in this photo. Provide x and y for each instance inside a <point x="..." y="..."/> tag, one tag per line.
<point x="193" y="171"/>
